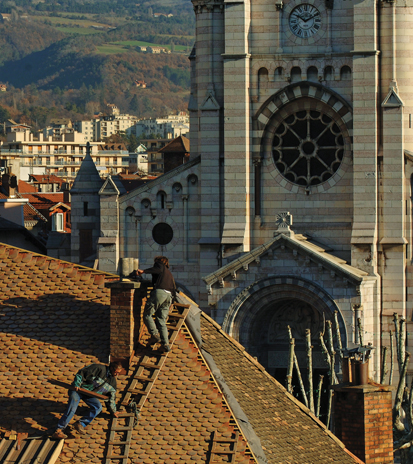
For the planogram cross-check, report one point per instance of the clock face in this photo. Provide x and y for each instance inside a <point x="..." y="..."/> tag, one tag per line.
<point x="305" y="20"/>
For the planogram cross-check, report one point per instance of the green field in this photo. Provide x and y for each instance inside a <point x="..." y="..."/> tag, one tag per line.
<point x="78" y="30"/>
<point x="122" y="46"/>
<point x="110" y="49"/>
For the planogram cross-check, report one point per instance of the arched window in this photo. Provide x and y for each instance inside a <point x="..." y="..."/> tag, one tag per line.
<point x="279" y="74"/>
<point x="296" y="74"/>
<point x="312" y="74"/>
<point x="262" y="79"/>
<point x="161" y="198"/>
<point x="328" y="73"/>
<point x="345" y="73"/>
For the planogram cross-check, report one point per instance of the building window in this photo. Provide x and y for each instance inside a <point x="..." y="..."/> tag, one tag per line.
<point x="57" y="223"/>
<point x="308" y="147"/>
<point x="162" y="233"/>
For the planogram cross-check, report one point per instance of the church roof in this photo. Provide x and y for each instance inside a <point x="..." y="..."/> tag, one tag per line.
<point x="87" y="179"/>
<point x="54" y="319"/>
<point x="161" y="179"/>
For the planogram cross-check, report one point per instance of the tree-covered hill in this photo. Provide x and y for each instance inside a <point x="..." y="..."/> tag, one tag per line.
<point x="49" y="73"/>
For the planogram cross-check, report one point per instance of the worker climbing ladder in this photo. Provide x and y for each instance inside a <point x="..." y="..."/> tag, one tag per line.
<point x="120" y="432"/>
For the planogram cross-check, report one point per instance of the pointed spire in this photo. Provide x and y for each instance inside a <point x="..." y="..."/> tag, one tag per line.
<point x="87" y="178"/>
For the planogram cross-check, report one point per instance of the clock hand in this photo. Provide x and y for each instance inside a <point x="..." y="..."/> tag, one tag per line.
<point x="308" y="19"/>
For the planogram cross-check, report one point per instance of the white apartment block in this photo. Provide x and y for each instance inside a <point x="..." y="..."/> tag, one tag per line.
<point x="28" y="154"/>
<point x="168" y="127"/>
<point x="95" y="130"/>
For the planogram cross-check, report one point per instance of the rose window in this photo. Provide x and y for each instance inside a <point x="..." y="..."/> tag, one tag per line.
<point x="308" y="147"/>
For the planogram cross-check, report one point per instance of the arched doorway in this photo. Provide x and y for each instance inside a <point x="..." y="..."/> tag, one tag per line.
<point x="259" y="317"/>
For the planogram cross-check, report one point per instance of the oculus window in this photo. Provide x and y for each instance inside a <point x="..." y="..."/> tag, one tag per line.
<point x="162" y="233"/>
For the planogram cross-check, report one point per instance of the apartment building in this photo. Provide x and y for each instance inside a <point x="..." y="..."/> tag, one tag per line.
<point x="168" y="127"/>
<point x="62" y="155"/>
<point x="95" y="130"/>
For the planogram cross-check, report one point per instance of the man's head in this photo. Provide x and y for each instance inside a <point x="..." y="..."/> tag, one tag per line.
<point x="162" y="259"/>
<point x="115" y="368"/>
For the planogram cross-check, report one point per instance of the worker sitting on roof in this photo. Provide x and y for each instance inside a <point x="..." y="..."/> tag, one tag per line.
<point x="96" y="378"/>
<point x="159" y="301"/>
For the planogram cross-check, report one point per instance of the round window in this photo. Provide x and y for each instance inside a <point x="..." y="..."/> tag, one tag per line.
<point x="308" y="147"/>
<point x="162" y="233"/>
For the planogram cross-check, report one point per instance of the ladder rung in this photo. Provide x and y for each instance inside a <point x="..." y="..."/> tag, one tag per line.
<point x="179" y="305"/>
<point x="143" y="379"/>
<point x="178" y="316"/>
<point x="121" y="429"/>
<point x="138" y="392"/>
<point x="150" y="366"/>
<point x="120" y="456"/>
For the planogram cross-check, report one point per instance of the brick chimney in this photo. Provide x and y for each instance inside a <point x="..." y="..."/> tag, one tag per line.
<point x="9" y="181"/>
<point x="363" y="421"/>
<point x="126" y="301"/>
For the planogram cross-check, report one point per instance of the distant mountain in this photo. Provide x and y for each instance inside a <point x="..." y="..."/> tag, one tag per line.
<point x="19" y="39"/>
<point x="49" y="73"/>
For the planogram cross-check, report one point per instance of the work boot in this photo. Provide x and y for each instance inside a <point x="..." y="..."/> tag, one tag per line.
<point x="165" y="348"/>
<point x="154" y="338"/>
<point x="79" y="427"/>
<point x="59" y="435"/>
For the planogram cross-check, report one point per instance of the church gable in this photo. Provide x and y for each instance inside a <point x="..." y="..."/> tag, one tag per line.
<point x="288" y="256"/>
<point x="290" y="264"/>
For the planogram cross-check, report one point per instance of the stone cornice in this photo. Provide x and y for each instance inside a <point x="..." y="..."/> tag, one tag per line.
<point x="298" y="245"/>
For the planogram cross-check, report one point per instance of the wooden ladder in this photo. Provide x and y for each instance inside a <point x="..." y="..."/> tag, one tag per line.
<point x="176" y="318"/>
<point x="224" y="446"/>
<point x="118" y="450"/>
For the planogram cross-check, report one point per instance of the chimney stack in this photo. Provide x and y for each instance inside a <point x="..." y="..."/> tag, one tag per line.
<point x="126" y="301"/>
<point x="363" y="421"/>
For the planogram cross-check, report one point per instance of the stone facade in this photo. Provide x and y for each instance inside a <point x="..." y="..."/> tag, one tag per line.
<point x="310" y="123"/>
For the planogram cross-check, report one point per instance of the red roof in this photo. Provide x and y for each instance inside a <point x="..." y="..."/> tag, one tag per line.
<point x="46" y="179"/>
<point x="26" y="187"/>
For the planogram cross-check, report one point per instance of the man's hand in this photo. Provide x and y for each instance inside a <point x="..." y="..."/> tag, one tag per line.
<point x="76" y="389"/>
<point x="115" y="414"/>
<point x="139" y="271"/>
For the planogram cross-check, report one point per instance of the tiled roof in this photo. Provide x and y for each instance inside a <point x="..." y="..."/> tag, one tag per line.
<point x="46" y="178"/>
<point x="289" y="433"/>
<point x="178" y="145"/>
<point x="25" y="187"/>
<point x="54" y="319"/>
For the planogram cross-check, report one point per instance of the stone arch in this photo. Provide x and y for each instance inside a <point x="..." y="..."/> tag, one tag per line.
<point x="245" y="307"/>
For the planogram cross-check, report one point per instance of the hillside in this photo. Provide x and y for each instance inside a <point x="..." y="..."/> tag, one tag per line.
<point x="50" y="72"/>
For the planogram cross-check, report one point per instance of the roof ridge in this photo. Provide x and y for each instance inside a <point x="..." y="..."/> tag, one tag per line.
<point x="17" y="251"/>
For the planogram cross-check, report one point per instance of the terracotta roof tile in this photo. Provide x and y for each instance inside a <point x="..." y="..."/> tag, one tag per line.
<point x="54" y="319"/>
